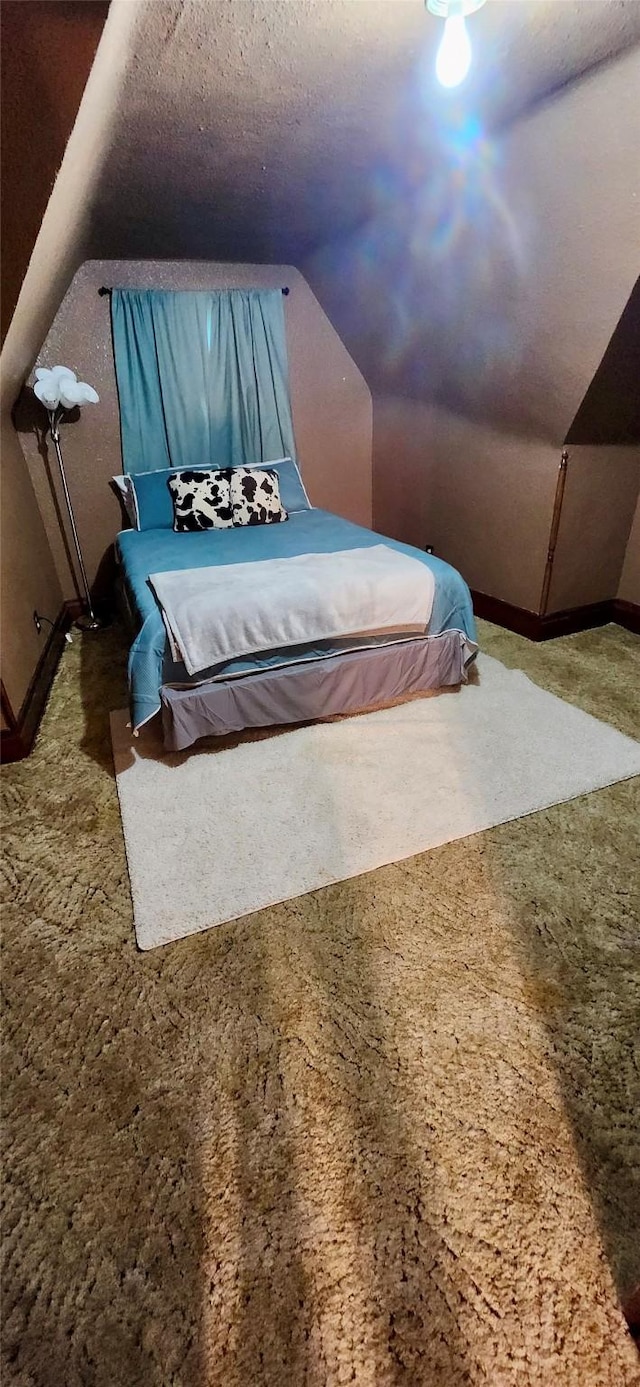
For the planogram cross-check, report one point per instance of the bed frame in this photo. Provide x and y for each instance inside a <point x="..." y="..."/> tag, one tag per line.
<point x="339" y="684"/>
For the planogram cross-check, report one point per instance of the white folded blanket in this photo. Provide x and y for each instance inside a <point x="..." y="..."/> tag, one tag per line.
<point x="223" y="613"/>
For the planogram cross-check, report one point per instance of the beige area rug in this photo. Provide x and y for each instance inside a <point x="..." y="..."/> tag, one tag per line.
<point x="217" y="833"/>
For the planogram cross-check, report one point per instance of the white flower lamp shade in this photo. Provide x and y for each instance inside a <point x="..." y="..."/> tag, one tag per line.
<point x="58" y="388"/>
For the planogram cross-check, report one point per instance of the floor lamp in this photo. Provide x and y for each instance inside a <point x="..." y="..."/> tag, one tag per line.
<point x="59" y="389"/>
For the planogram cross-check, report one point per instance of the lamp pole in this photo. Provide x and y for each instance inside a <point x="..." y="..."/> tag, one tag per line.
<point x="90" y="621"/>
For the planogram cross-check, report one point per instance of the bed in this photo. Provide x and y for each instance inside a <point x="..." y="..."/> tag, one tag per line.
<point x="285" y="685"/>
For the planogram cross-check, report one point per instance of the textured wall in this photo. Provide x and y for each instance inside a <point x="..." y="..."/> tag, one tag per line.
<point x="485" y="498"/>
<point x="29" y="578"/>
<point x="48" y="47"/>
<point x="404" y="471"/>
<point x="489" y="495"/>
<point x="629" y="586"/>
<point x="331" y="401"/>
<point x="597" y="510"/>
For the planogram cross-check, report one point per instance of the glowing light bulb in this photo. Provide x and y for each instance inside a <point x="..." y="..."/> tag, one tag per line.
<point x="454" y="54"/>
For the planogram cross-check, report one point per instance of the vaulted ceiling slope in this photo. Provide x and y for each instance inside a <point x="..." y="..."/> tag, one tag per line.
<point x="493" y="287"/>
<point x="261" y="129"/>
<point x="47" y="50"/>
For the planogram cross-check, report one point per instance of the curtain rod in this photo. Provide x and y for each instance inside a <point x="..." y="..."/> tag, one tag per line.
<point x="104" y="290"/>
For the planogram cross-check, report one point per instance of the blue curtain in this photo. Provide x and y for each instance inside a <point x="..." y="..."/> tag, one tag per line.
<point x="202" y="378"/>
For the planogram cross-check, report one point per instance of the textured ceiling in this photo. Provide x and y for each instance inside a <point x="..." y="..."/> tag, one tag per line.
<point x="260" y="129"/>
<point x="41" y="91"/>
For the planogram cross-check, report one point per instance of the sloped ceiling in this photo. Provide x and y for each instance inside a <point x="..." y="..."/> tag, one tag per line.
<point x="47" y="52"/>
<point x="494" y="285"/>
<point x="261" y="129"/>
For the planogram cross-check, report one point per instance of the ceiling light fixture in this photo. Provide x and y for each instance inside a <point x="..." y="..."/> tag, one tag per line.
<point x="453" y="59"/>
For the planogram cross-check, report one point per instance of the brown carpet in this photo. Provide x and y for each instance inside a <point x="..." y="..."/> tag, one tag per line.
<point x="383" y="1134"/>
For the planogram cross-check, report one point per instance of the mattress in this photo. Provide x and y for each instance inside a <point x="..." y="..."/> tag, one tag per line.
<point x="140" y="553"/>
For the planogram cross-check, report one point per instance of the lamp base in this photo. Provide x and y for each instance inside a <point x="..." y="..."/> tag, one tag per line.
<point x="89" y="623"/>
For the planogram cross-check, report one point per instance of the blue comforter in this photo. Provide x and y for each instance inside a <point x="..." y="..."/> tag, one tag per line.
<point x="306" y="532"/>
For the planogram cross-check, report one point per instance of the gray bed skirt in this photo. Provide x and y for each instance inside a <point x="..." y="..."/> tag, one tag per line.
<point x="349" y="683"/>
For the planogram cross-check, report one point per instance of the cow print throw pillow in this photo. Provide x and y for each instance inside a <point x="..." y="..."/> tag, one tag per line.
<point x="255" y="497"/>
<point x="201" y="500"/>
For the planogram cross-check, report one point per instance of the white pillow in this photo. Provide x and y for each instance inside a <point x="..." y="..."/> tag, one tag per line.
<point x="128" y="497"/>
